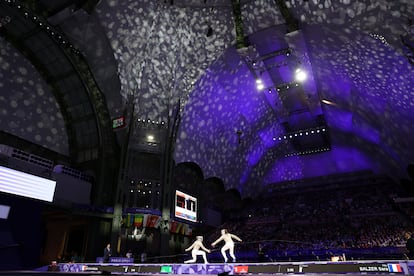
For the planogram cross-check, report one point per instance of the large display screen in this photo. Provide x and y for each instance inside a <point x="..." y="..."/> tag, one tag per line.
<point x="185" y="206"/>
<point x="27" y="185"/>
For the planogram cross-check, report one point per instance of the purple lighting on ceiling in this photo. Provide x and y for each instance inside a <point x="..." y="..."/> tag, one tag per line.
<point x="349" y="159"/>
<point x="365" y="130"/>
<point x="267" y="136"/>
<point x="338" y="160"/>
<point x="254" y="155"/>
<point x="341" y="119"/>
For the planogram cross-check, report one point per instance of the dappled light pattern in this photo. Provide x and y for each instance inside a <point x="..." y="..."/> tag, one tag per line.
<point x="88" y="35"/>
<point x="370" y="87"/>
<point x="259" y="15"/>
<point x="163" y="49"/>
<point x="181" y="58"/>
<point x="387" y="18"/>
<point x="28" y="108"/>
<point x="368" y="84"/>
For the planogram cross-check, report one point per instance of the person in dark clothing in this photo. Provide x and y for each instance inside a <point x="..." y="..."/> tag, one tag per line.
<point x="53" y="266"/>
<point x="107" y="253"/>
<point x="409" y="245"/>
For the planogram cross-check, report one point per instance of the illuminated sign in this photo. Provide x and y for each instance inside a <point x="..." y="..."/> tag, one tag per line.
<point x="166" y="269"/>
<point x="118" y="122"/>
<point x="241" y="269"/>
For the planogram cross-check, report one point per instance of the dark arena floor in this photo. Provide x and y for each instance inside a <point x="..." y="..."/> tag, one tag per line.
<point x="377" y="267"/>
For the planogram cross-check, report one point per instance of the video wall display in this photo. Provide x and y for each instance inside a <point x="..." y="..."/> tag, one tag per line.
<point x="26" y="185"/>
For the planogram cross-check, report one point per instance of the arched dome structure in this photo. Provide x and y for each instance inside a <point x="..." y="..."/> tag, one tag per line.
<point x="192" y="66"/>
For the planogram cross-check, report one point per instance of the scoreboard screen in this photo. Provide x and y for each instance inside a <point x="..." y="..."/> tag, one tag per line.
<point x="185" y="206"/>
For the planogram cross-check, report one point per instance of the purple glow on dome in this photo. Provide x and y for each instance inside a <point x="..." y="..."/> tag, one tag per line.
<point x="338" y="160"/>
<point x="349" y="159"/>
<point x="254" y="155"/>
<point x="366" y="131"/>
<point x="354" y="117"/>
<point x="341" y="119"/>
<point x="367" y="82"/>
<point x="360" y="84"/>
<point x="244" y="177"/>
<point x="285" y="169"/>
<point x="267" y="136"/>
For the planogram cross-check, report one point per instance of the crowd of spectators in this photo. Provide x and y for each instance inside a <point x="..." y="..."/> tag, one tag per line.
<point x="358" y="220"/>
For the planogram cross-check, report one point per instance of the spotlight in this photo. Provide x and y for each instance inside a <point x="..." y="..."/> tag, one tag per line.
<point x="300" y="75"/>
<point x="328" y="102"/>
<point x="259" y="84"/>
